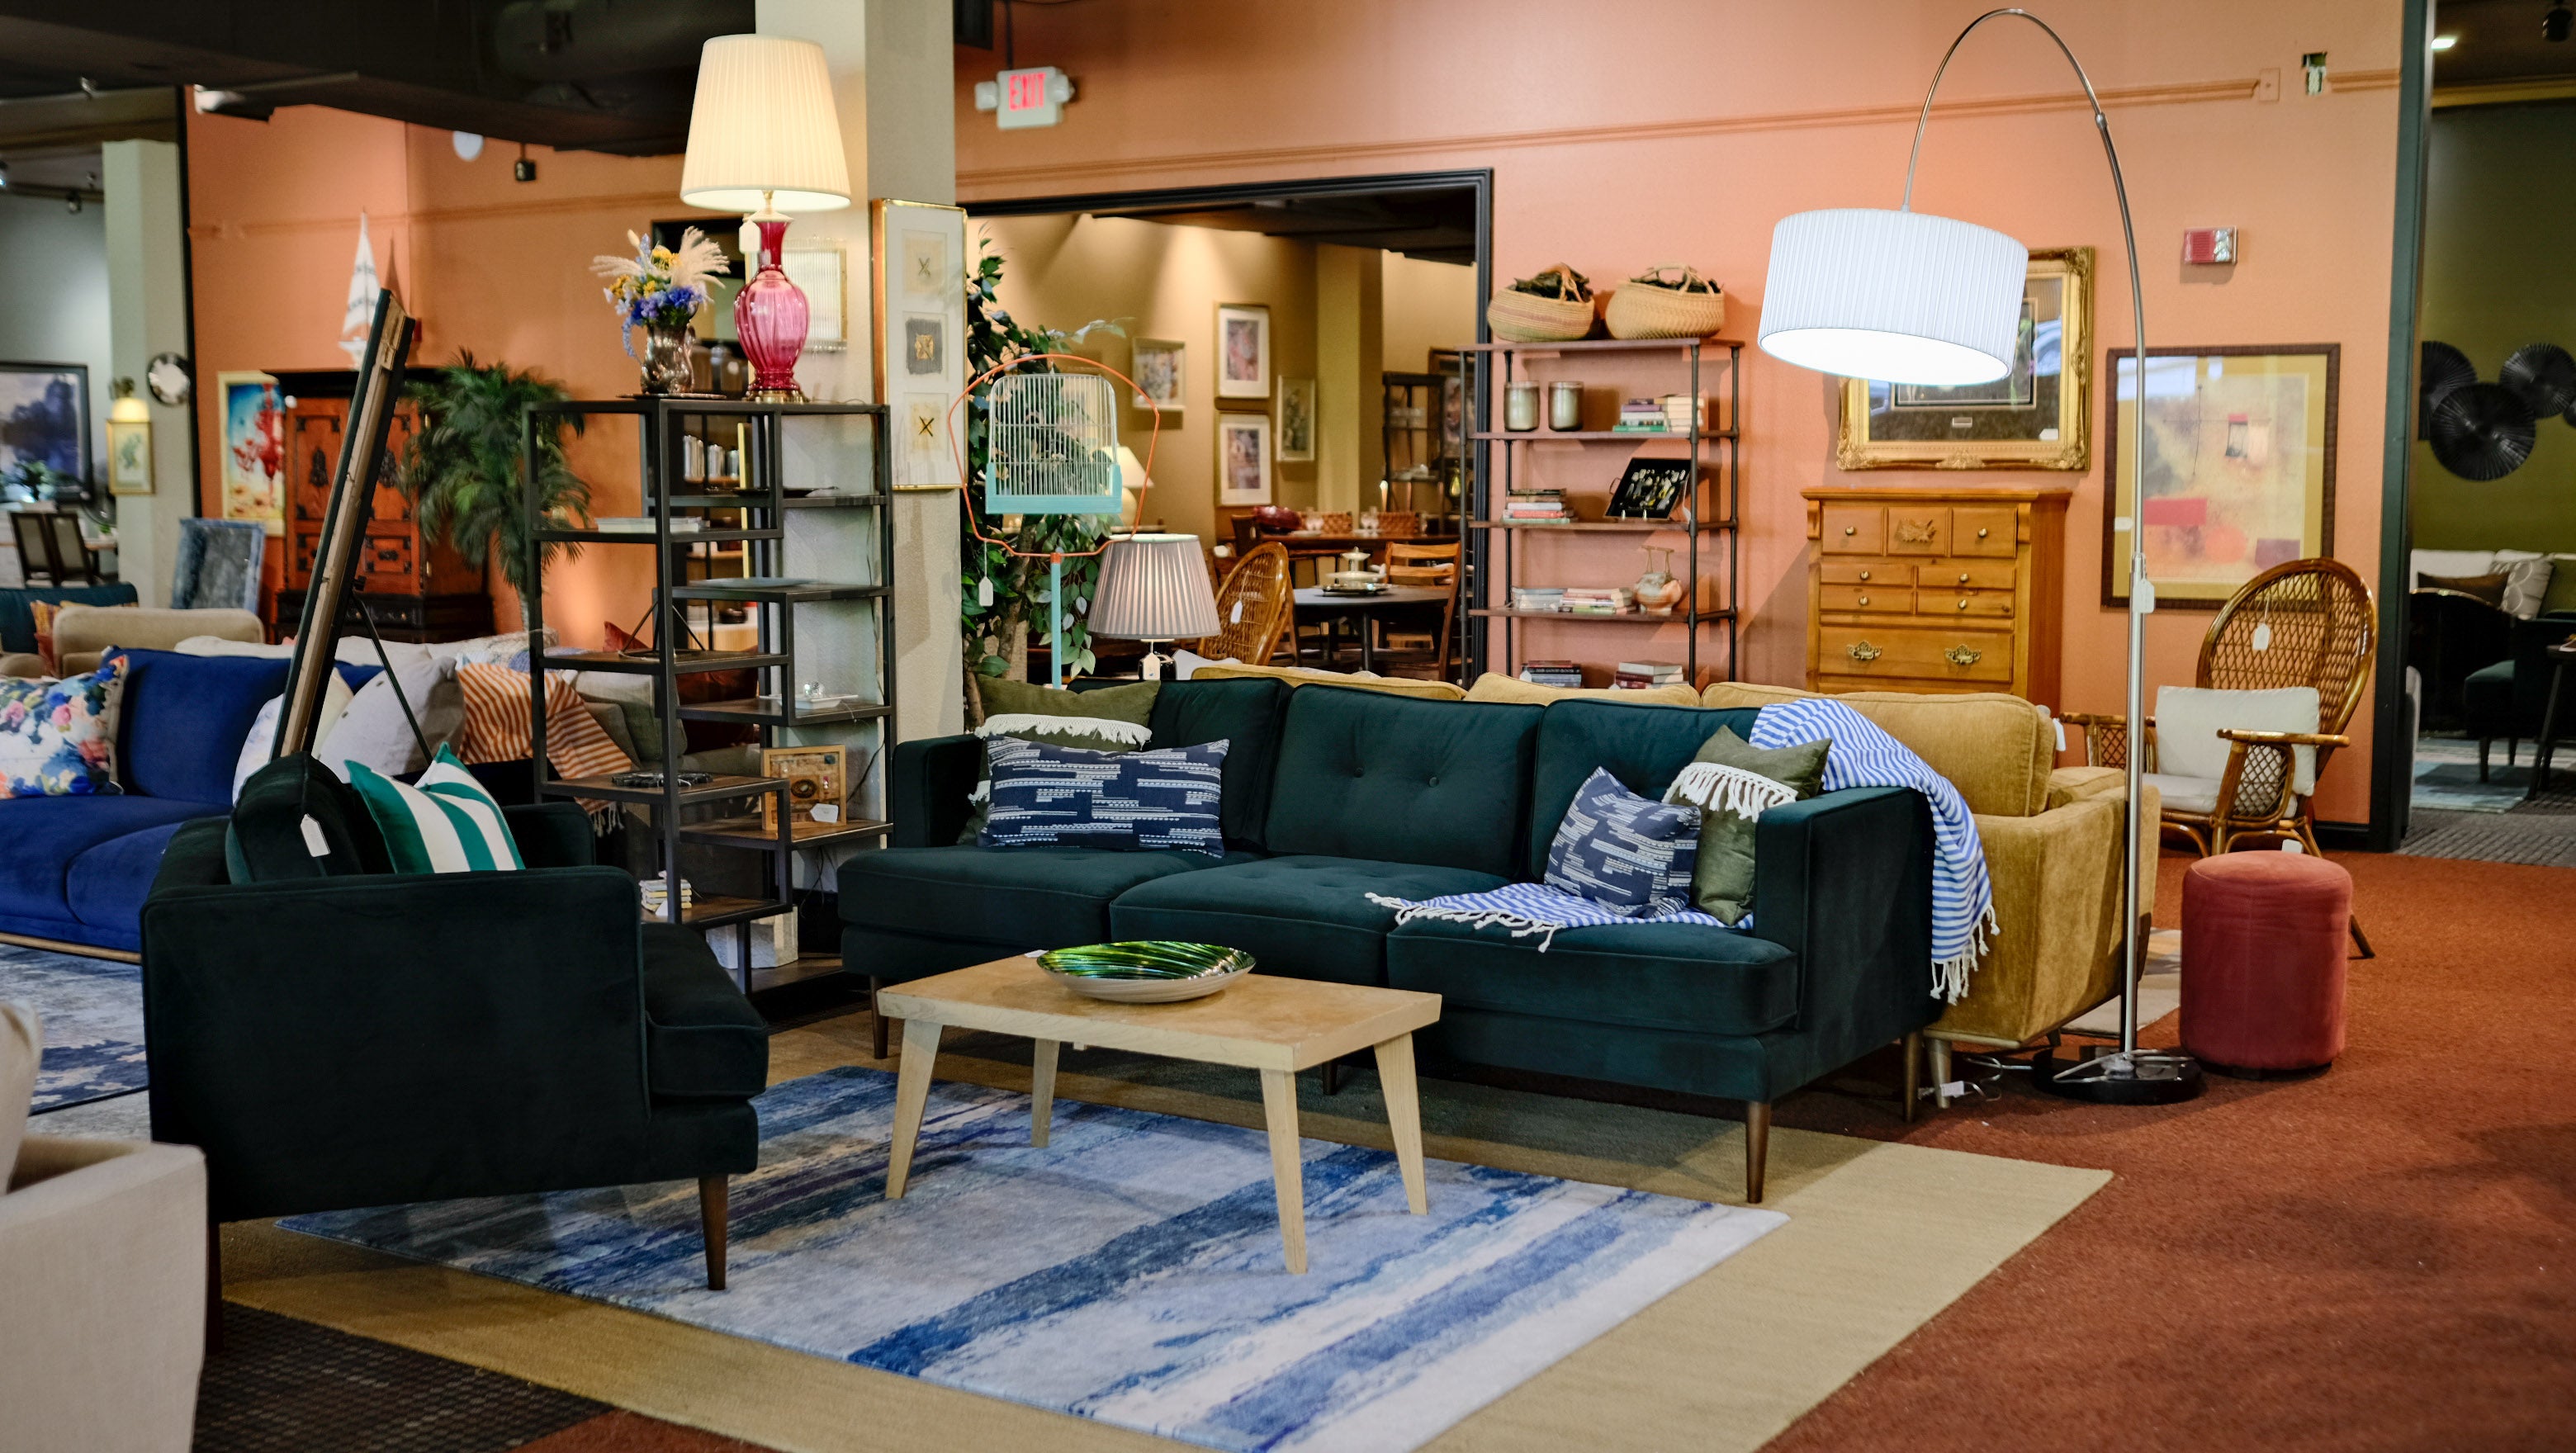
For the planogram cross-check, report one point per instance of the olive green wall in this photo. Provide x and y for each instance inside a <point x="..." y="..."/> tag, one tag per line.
<point x="2498" y="273"/>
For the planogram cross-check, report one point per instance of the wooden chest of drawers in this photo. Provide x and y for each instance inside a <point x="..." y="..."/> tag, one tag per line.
<point x="1936" y="590"/>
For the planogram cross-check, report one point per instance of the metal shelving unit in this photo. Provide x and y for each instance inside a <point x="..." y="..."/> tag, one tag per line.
<point x="761" y="506"/>
<point x="1708" y="512"/>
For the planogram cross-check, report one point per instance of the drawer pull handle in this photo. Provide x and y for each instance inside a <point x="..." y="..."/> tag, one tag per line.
<point x="1981" y="534"/>
<point x="1963" y="577"/>
<point x="1861" y="651"/>
<point x="1963" y="605"/>
<point x="1865" y="575"/>
<point x="1851" y="529"/>
<point x="1963" y="655"/>
<point x="1864" y="600"/>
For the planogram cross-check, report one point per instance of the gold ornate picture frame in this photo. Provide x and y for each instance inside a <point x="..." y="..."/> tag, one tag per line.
<point x="2036" y="417"/>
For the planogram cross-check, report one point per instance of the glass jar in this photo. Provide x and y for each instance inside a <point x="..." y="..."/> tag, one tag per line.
<point x="1520" y="407"/>
<point x="1565" y="405"/>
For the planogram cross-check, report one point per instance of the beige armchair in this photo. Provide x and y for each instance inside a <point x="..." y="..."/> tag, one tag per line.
<point x="83" y="633"/>
<point x="2052" y="841"/>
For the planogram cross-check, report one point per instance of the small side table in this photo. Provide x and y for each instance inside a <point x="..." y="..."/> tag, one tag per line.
<point x="2561" y="656"/>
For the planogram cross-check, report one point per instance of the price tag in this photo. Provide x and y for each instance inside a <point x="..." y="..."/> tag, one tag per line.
<point x="1237" y="617"/>
<point x="825" y="812"/>
<point x="314" y="842"/>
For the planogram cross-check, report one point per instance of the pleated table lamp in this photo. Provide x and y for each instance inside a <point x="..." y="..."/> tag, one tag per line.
<point x="1153" y="588"/>
<point x="765" y="139"/>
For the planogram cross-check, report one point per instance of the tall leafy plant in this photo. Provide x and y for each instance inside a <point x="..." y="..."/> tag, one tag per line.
<point x="465" y="469"/>
<point x="1006" y="584"/>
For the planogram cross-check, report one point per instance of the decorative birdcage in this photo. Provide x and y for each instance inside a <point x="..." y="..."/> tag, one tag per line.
<point x="1053" y="445"/>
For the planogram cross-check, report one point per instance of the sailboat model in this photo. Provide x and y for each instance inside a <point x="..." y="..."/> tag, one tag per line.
<point x="361" y="311"/>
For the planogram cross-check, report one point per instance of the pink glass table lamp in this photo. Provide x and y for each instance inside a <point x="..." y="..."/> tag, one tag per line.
<point x="765" y="139"/>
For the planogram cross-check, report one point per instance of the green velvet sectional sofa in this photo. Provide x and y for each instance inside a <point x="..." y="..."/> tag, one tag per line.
<point x="1333" y="794"/>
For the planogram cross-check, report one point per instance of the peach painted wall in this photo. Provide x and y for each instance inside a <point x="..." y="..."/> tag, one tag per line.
<point x="490" y="266"/>
<point x="1628" y="133"/>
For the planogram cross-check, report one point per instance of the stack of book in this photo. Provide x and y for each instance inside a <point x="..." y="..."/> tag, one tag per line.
<point x="1642" y="416"/>
<point x="1605" y="600"/>
<point x="1641" y="675"/>
<point x="1551" y="673"/>
<point x="656" y="896"/>
<point x="1538" y="597"/>
<point x="1536" y="507"/>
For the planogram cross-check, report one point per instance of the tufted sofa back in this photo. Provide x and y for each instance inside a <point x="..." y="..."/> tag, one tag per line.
<point x="1364" y="774"/>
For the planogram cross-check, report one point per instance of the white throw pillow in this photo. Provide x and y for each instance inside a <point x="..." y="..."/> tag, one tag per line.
<point x="263" y="729"/>
<point x="1185" y="661"/>
<point x="22" y="1043"/>
<point x="2189" y="718"/>
<point x="374" y="731"/>
<point x="2526" y="581"/>
<point x="2450" y="563"/>
<point x="224" y="646"/>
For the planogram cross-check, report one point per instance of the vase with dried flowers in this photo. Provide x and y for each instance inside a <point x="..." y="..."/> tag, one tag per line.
<point x="659" y="290"/>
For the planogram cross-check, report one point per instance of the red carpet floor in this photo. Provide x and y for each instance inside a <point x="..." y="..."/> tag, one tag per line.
<point x="2380" y="1258"/>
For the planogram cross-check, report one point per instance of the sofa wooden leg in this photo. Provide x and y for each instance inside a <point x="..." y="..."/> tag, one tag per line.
<point x="877" y="1029"/>
<point x="2483" y="743"/>
<point x="1913" y="1051"/>
<point x="1757" y="1147"/>
<point x="1940" y="1052"/>
<point x="1332" y="1077"/>
<point x="711" y="1225"/>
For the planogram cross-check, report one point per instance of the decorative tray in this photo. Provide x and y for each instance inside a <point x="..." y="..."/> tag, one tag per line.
<point x="1147" y="972"/>
<point x="1354" y="590"/>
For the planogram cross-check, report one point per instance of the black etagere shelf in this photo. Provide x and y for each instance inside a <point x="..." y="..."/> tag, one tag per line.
<point x="1707" y="517"/>
<point x="755" y="517"/>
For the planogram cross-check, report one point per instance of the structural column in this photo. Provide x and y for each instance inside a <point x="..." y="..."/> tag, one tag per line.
<point x="147" y="306"/>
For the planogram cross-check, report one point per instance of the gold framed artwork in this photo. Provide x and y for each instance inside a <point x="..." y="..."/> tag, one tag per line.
<point x="1243" y="351"/>
<point x="1157" y="364"/>
<point x="2240" y="467"/>
<point x="1296" y="421"/>
<point x="1242" y="459"/>
<point x="917" y="296"/>
<point x="129" y="456"/>
<point x="2034" y="417"/>
<point x="818" y="786"/>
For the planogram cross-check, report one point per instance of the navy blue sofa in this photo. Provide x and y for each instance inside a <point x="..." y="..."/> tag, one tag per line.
<point x="76" y="869"/>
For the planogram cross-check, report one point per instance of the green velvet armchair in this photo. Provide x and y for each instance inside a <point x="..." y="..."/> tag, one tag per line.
<point x="361" y="1038"/>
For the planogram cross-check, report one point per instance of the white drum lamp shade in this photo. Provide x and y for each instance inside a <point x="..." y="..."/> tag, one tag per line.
<point x="1154" y="588"/>
<point x="763" y="130"/>
<point x="1900" y="296"/>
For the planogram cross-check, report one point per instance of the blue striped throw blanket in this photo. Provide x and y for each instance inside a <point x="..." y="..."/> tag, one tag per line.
<point x="1963" y="901"/>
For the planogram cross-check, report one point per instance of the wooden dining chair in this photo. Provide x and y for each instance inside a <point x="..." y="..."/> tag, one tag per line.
<point x="1435" y="566"/>
<point x="1254" y="609"/>
<point x="50" y="545"/>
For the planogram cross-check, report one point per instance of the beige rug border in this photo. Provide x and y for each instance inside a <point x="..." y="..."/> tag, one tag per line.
<point x="1880" y="1238"/>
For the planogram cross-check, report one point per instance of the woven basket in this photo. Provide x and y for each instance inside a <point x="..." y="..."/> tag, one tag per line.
<point x="1648" y="306"/>
<point x="1519" y="317"/>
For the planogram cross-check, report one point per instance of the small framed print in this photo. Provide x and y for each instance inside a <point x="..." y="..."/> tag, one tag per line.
<point x="1242" y="351"/>
<point x="820" y="272"/>
<point x="818" y="786"/>
<point x="1157" y="365"/>
<point x="1243" y="459"/>
<point x="1650" y="487"/>
<point x="129" y="456"/>
<point x="918" y="315"/>
<point x="1296" y="421"/>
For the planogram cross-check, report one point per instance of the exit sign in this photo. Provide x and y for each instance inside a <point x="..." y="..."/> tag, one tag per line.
<point x="1031" y="97"/>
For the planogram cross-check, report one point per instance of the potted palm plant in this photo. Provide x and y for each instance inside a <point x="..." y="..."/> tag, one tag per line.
<point x="466" y="472"/>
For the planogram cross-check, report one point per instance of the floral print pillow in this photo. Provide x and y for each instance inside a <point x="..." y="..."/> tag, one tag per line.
<point x="58" y="738"/>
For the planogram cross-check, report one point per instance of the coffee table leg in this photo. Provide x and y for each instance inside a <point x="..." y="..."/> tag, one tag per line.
<point x="1404" y="1117"/>
<point x="1041" y="1091"/>
<point x="911" y="1092"/>
<point x="1287" y="1172"/>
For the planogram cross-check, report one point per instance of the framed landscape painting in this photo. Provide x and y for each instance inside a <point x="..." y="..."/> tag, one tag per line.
<point x="2240" y="445"/>
<point x="44" y="420"/>
<point x="2034" y="417"/>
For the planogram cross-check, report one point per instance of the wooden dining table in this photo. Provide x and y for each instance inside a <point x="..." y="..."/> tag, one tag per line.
<point x="1334" y="606"/>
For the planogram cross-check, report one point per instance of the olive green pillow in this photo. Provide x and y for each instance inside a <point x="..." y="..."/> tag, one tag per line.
<point x="1111" y="719"/>
<point x="2561" y="598"/>
<point x="1732" y="783"/>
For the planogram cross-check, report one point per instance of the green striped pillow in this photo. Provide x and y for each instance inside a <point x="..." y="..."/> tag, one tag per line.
<point x="446" y="824"/>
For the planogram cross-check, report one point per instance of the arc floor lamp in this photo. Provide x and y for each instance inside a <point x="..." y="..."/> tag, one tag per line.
<point x="1911" y="298"/>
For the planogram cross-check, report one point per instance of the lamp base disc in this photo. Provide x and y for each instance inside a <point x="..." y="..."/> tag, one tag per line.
<point x="2148" y="1077"/>
<point x="777" y="396"/>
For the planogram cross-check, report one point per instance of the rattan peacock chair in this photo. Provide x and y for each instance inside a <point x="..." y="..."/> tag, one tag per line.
<point x="1253" y="608"/>
<point x="2302" y="623"/>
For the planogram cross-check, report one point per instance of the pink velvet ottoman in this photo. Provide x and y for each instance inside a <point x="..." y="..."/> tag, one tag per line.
<point x="2263" y="962"/>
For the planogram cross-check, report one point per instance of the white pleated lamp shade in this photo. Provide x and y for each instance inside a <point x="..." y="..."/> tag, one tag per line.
<point x="1153" y="588"/>
<point x="1899" y="296"/>
<point x="763" y="128"/>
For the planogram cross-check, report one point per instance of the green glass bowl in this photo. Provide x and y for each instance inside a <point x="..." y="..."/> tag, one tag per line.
<point x="1149" y="972"/>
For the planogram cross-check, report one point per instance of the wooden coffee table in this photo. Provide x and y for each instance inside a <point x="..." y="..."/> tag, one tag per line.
<point x="1277" y="1026"/>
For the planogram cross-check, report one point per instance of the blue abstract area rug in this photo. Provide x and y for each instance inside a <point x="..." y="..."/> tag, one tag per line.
<point x="92" y="1012"/>
<point x="1130" y="1272"/>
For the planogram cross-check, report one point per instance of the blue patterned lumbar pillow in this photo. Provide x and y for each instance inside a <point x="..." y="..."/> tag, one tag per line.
<point x="1630" y="854"/>
<point x="1126" y="801"/>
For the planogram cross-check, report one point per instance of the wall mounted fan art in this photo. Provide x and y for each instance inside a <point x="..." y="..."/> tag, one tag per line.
<point x="2485" y="431"/>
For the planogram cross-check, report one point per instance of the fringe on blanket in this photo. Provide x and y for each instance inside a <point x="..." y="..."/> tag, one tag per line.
<point x="1521" y="925"/>
<point x="1712" y="787"/>
<point x="1950" y="976"/>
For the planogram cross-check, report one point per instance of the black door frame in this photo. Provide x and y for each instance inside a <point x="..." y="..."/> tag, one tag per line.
<point x="2392" y="757"/>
